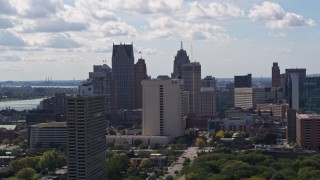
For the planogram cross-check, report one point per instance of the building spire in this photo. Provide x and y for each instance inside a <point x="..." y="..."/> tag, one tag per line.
<point x="181" y="45"/>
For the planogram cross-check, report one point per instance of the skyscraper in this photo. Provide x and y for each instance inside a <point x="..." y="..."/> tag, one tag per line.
<point x="162" y="108"/>
<point x="191" y="75"/>
<point x="242" y="81"/>
<point x="140" y="74"/>
<point x="276" y="79"/>
<point x="180" y="59"/>
<point x="123" y="75"/>
<point x="86" y="137"/>
<point x="301" y="72"/>
<point x="208" y="96"/>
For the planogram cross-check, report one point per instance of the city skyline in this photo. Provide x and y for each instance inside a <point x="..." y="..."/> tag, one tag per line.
<point x="63" y="39"/>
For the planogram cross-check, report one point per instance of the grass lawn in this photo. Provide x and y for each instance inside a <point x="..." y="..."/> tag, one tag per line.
<point x="35" y="177"/>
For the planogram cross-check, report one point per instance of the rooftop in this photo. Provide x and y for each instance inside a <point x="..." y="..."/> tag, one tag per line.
<point x="51" y="124"/>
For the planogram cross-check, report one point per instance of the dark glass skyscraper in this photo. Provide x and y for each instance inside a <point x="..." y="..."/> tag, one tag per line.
<point x="140" y="74"/>
<point x="180" y="59"/>
<point x="276" y="80"/>
<point x="242" y="81"/>
<point x="123" y="75"/>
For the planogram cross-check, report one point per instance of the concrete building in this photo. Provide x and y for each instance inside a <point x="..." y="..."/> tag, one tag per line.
<point x="308" y="131"/>
<point x="247" y="98"/>
<point x="179" y="60"/>
<point x="140" y="74"/>
<point x="242" y="124"/>
<point x="162" y="108"/>
<point x="86" y="137"/>
<point x="207" y="101"/>
<point x="123" y="75"/>
<point x="191" y="75"/>
<point x="208" y="96"/>
<point x="276" y="80"/>
<point x="278" y="110"/>
<point x="291" y="125"/>
<point x="48" y="135"/>
<point x="242" y="81"/>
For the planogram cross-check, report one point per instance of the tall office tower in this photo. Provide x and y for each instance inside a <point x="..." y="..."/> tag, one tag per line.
<point x="86" y="137"/>
<point x="191" y="75"/>
<point x="304" y="93"/>
<point x="101" y="80"/>
<point x="123" y="75"/>
<point x="300" y="72"/>
<point x="291" y="125"/>
<point x="276" y="80"/>
<point x="140" y="69"/>
<point x="224" y="100"/>
<point x="162" y="108"/>
<point x="242" y="81"/>
<point x="247" y="98"/>
<point x="180" y="59"/>
<point x="208" y="96"/>
<point x="208" y="81"/>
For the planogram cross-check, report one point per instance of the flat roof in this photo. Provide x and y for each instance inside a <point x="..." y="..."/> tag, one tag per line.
<point x="309" y="116"/>
<point x="51" y="124"/>
<point x="8" y="127"/>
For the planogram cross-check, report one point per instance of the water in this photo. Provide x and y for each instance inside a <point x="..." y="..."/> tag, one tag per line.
<point x="20" y="105"/>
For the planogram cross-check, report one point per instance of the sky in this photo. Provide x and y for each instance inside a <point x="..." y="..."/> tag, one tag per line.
<point x="63" y="39"/>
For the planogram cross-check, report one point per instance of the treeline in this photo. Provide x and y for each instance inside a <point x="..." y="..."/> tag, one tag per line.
<point x="226" y="164"/>
<point x="22" y="93"/>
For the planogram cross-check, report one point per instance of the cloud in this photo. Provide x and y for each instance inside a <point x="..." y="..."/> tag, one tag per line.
<point x="5" y="23"/>
<point x="116" y="28"/>
<point x="38" y="8"/>
<point x="53" y="25"/>
<point x="146" y="6"/>
<point x="9" y="58"/>
<point x="6" y="7"/>
<point x="279" y="34"/>
<point x="8" y="38"/>
<point x="158" y="34"/>
<point x="276" y="17"/>
<point x="215" y="10"/>
<point x="61" y="42"/>
<point x="165" y="27"/>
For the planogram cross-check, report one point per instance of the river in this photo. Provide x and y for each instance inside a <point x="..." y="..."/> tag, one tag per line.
<point x="20" y="105"/>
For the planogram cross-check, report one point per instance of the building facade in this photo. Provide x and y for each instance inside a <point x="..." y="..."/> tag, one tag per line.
<point x="179" y="60"/>
<point x="123" y="75"/>
<point x="247" y="98"/>
<point x="308" y="131"/>
<point x="48" y="135"/>
<point x="162" y="113"/>
<point x="301" y="72"/>
<point x="276" y="79"/>
<point x="191" y="75"/>
<point x="140" y="74"/>
<point x="304" y="92"/>
<point x="86" y="143"/>
<point x="243" y="81"/>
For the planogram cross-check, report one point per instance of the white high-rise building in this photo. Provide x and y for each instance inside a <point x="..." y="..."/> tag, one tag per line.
<point x="162" y="108"/>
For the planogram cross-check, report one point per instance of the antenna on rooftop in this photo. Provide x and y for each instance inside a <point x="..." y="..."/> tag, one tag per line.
<point x="140" y="52"/>
<point x="181" y="45"/>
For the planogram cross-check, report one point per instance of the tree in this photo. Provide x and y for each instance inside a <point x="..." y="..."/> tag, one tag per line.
<point x="137" y="142"/>
<point x="200" y="143"/>
<point x="26" y="162"/>
<point x="50" y="160"/>
<point x="116" y="165"/>
<point x="25" y="173"/>
<point x="145" y="162"/>
<point x="6" y="142"/>
<point x="220" y="134"/>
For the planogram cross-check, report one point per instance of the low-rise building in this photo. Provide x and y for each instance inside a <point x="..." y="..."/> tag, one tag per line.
<point x="47" y="135"/>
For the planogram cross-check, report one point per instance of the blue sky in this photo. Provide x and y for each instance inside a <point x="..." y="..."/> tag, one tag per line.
<point x="62" y="39"/>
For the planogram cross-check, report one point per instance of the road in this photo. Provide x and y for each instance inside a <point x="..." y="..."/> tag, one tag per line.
<point x="190" y="153"/>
